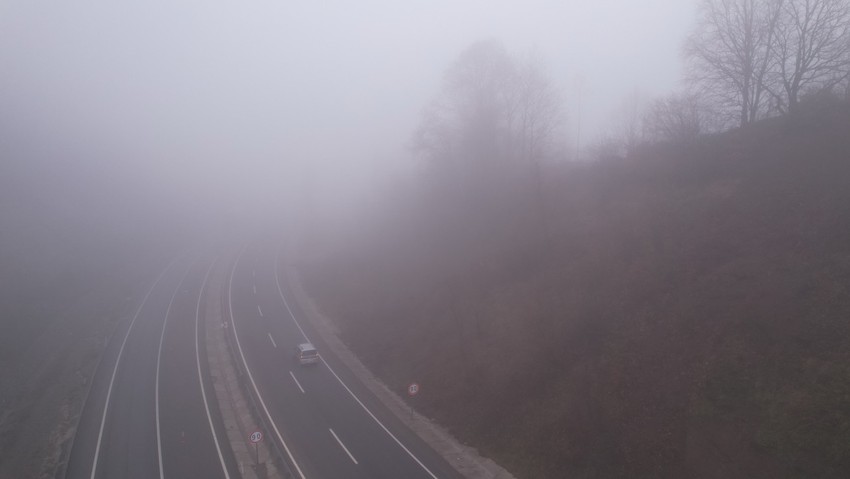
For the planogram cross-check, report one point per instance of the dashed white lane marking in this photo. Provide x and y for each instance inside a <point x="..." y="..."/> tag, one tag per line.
<point x="296" y="382"/>
<point x="260" y="310"/>
<point x="343" y="446"/>
<point x="350" y="392"/>
<point x="255" y="289"/>
<point x="272" y="340"/>
<point x="248" y="370"/>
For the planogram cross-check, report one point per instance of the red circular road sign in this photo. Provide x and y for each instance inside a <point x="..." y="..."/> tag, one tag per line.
<point x="413" y="389"/>
<point x="256" y="436"/>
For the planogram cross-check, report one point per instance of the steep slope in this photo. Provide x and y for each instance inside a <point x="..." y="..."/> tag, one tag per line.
<point x="680" y="314"/>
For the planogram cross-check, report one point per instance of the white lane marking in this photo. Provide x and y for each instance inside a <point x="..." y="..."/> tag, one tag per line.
<point x="201" y="376"/>
<point x="296" y="382"/>
<point x="260" y="310"/>
<point x="272" y="340"/>
<point x="255" y="289"/>
<point x="291" y="315"/>
<point x="115" y="369"/>
<point x="158" y="362"/>
<point x="248" y="370"/>
<point x="343" y="446"/>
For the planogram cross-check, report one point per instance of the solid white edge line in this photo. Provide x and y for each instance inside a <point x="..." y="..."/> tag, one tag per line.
<point x="158" y="361"/>
<point x="117" y="363"/>
<point x="297" y="383"/>
<point x="343" y="446"/>
<point x="248" y="370"/>
<point x="201" y="376"/>
<point x="272" y="340"/>
<point x="291" y="315"/>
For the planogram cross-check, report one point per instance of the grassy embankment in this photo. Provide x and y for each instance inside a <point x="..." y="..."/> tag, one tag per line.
<point x="681" y="314"/>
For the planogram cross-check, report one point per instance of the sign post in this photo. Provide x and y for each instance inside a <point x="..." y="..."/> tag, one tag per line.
<point x="412" y="390"/>
<point x="256" y="437"/>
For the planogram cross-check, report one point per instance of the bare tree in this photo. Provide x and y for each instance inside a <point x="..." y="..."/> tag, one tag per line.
<point x="488" y="131"/>
<point x="538" y="111"/>
<point x="731" y="53"/>
<point x="631" y="120"/>
<point x="677" y="117"/>
<point x="625" y="129"/>
<point x="492" y="109"/>
<point x="464" y="124"/>
<point x="812" y="48"/>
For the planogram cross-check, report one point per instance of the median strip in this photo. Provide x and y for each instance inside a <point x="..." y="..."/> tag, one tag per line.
<point x="238" y="418"/>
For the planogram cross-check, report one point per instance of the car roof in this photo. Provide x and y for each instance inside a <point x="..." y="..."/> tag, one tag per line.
<point x="305" y="346"/>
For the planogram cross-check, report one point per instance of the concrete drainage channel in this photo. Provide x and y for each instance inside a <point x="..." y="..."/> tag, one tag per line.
<point x="238" y="407"/>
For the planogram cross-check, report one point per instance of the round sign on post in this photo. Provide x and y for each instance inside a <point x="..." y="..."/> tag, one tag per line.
<point x="256" y="437"/>
<point x="413" y="389"/>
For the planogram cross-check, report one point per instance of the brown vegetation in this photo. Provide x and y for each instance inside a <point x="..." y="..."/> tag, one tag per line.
<point x="680" y="314"/>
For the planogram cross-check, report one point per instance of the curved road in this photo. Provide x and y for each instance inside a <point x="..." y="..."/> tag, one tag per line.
<point x="152" y="411"/>
<point x="144" y="416"/>
<point x="332" y="426"/>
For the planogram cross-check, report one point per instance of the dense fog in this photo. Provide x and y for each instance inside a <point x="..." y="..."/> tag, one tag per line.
<point x="635" y="210"/>
<point x="227" y="109"/>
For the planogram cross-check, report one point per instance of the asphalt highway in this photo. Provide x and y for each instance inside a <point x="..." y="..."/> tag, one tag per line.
<point x="152" y="413"/>
<point x="331" y="425"/>
<point x="145" y="416"/>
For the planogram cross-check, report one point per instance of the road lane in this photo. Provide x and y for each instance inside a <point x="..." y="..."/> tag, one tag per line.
<point x="129" y="439"/>
<point x="333" y="430"/>
<point x="382" y="446"/>
<point x="126" y="443"/>
<point x="117" y="432"/>
<point x="302" y="428"/>
<point x="187" y="429"/>
<point x="88" y="435"/>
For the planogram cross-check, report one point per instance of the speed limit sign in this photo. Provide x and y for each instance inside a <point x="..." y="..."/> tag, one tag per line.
<point x="413" y="389"/>
<point x="256" y="436"/>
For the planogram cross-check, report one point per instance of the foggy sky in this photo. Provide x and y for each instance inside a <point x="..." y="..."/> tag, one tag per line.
<point x="252" y="97"/>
